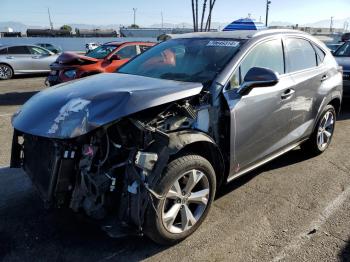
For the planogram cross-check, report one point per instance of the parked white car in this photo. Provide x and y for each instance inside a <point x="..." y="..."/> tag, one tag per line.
<point x="91" y="46"/>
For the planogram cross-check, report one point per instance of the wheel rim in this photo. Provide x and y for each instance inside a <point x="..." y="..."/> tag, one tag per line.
<point x="185" y="201"/>
<point x="325" y="130"/>
<point x="5" y="72"/>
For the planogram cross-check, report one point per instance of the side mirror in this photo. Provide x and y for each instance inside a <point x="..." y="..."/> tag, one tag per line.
<point x="115" y="57"/>
<point x="258" y="77"/>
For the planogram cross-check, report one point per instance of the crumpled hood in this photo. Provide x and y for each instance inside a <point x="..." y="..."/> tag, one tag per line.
<point x="73" y="58"/>
<point x="76" y="108"/>
<point x="344" y="62"/>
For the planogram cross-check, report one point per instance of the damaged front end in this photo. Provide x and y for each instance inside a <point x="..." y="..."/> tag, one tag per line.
<point x="110" y="172"/>
<point x="107" y="174"/>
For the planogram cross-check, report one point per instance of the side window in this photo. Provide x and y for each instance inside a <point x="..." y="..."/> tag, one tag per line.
<point x="235" y="80"/>
<point x="127" y="52"/>
<point x="300" y="55"/>
<point x="320" y="54"/>
<point x="38" y="51"/>
<point x="143" y="48"/>
<point x="3" y="51"/>
<point x="18" y="50"/>
<point x="268" y="55"/>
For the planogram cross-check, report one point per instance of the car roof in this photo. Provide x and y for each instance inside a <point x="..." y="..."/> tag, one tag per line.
<point x="127" y="42"/>
<point x="2" y="46"/>
<point x="239" y="34"/>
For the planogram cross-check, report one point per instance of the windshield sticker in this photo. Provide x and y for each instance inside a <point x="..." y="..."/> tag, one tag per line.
<point x="223" y="43"/>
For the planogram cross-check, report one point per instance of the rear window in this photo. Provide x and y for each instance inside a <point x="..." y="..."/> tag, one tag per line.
<point x="300" y="55"/>
<point x="18" y="50"/>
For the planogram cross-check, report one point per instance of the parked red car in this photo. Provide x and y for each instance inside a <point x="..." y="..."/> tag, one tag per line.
<point x="106" y="58"/>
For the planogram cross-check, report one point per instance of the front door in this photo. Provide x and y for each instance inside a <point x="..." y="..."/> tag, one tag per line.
<point x="260" y="120"/>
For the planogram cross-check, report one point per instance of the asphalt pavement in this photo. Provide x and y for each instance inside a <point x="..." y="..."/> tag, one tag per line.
<point x="294" y="208"/>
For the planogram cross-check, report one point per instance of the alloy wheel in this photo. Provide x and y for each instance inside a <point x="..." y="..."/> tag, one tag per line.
<point x="325" y="130"/>
<point x="185" y="201"/>
<point x="5" y="72"/>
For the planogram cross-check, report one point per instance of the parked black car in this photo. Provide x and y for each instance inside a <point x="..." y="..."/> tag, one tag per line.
<point x="342" y="55"/>
<point x="150" y="145"/>
<point x="345" y="37"/>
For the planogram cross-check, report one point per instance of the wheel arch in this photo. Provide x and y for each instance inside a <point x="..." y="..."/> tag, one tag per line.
<point x="199" y="143"/>
<point x="336" y="103"/>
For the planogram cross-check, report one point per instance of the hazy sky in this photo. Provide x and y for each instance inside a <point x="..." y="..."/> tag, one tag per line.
<point x="34" y="12"/>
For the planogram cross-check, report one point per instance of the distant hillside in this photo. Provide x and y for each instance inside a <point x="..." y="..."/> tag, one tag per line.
<point x="337" y="23"/>
<point x="20" y="27"/>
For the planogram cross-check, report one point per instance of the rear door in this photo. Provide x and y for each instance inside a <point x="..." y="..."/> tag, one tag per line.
<point x="304" y="63"/>
<point x="19" y="57"/>
<point x="260" y="120"/>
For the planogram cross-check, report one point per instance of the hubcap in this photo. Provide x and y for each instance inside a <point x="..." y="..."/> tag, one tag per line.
<point x="186" y="201"/>
<point x="325" y="130"/>
<point x="5" y="72"/>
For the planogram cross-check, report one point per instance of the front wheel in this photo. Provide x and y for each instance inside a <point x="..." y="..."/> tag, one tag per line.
<point x="188" y="186"/>
<point x="323" y="133"/>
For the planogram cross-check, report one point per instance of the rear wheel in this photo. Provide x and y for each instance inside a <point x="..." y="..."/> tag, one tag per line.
<point x="188" y="186"/>
<point x="6" y="72"/>
<point x="323" y="133"/>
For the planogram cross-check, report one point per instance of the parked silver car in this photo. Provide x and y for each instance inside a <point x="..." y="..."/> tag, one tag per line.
<point x="24" y="59"/>
<point x="150" y="145"/>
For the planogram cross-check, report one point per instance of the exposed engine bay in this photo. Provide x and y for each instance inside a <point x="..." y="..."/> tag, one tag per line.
<point x="111" y="171"/>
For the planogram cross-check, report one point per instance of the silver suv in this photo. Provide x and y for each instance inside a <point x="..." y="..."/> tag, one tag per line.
<point x="150" y="145"/>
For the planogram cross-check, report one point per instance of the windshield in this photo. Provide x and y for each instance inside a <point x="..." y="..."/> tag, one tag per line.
<point x="344" y="50"/>
<point x="189" y="60"/>
<point x="101" y="51"/>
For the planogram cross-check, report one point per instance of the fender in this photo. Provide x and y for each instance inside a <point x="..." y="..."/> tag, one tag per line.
<point x="179" y="140"/>
<point x="334" y="95"/>
<point x="202" y="144"/>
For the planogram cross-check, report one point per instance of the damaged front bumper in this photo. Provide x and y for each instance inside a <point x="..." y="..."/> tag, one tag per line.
<point x="70" y="173"/>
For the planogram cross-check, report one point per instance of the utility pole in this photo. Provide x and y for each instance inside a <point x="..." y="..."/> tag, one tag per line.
<point x="134" y="9"/>
<point x="268" y="2"/>
<point x="331" y="25"/>
<point x="50" y="21"/>
<point x="196" y="16"/>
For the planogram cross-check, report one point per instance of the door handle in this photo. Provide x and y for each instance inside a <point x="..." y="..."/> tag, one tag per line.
<point x="10" y="57"/>
<point x="324" y="78"/>
<point x="36" y="57"/>
<point x="288" y="93"/>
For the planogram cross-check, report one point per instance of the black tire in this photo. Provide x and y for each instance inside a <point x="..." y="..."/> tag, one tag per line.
<point x="6" y="72"/>
<point x="154" y="227"/>
<point x="311" y="146"/>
